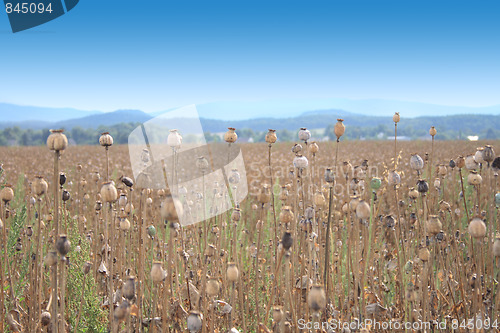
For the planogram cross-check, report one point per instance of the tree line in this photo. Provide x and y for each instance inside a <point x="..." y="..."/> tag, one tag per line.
<point x="16" y="136"/>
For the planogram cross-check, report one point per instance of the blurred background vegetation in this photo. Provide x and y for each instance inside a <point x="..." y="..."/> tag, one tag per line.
<point x="457" y="127"/>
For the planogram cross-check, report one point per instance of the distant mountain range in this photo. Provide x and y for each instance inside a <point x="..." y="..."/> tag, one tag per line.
<point x="471" y="123"/>
<point x="362" y="124"/>
<point x="41" y="117"/>
<point x="370" y="107"/>
<point x="359" y="126"/>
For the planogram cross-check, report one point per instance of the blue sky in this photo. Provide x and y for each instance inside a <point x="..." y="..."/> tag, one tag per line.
<point x="158" y="54"/>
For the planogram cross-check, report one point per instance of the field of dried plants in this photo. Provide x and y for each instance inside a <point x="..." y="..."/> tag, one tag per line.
<point x="352" y="237"/>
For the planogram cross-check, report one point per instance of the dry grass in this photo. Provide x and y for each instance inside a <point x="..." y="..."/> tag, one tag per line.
<point x="388" y="257"/>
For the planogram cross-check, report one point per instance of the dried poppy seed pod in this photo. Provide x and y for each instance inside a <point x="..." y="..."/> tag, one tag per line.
<point x="358" y="172"/>
<point x="129" y="207"/>
<point x="477" y="228"/>
<point x="39" y="186"/>
<point x="86" y="267"/>
<point x="128" y="289"/>
<point x="452" y="164"/>
<point x="460" y="162"/>
<point x="346" y="169"/>
<point x="432" y="131"/>
<point x="478" y="156"/>
<point x="314" y="148"/>
<point x="287" y="241"/>
<point x="51" y="258"/>
<point x="174" y="139"/>
<point x="157" y="273"/>
<point x="339" y="128"/>
<point x="264" y="195"/>
<point x="171" y="209"/>
<point x="442" y="170"/>
<point x="396" y="117"/>
<point x="127" y="181"/>
<point x="329" y="176"/>
<point x="62" y="178"/>
<point x="319" y="199"/>
<point x="230" y="136"/>
<point x="470" y="163"/>
<point x="363" y="210"/>
<point x="488" y="154"/>
<point x="297" y="148"/>
<point x="57" y="140"/>
<point x="416" y="162"/>
<point x="375" y="183"/>
<point x="202" y="164"/>
<point x="394" y="178"/>
<point x="444" y="206"/>
<point x="433" y="225"/>
<point x="422" y="186"/>
<point x="283" y="193"/>
<point x="7" y="193"/>
<point x="124" y="224"/>
<point x="304" y="134"/>
<point x="286" y="214"/>
<point x="212" y="287"/>
<point x="151" y="231"/>
<point x="316" y="298"/>
<point x="496" y="164"/>
<point x="232" y="272"/>
<point x="106" y="139"/>
<point x="271" y="136"/>
<point x="121" y="311"/>
<point x="122" y="200"/>
<point x="29" y="231"/>
<point x="96" y="176"/>
<point x="277" y="314"/>
<point x="65" y="195"/>
<point x="235" y="177"/>
<point x="143" y="181"/>
<point x="424" y="254"/>
<point x="474" y="178"/>
<point x="98" y="205"/>
<point x="437" y="183"/>
<point x="353" y="203"/>
<point x="63" y="245"/>
<point x="236" y="215"/>
<point x="45" y="318"/>
<point x="194" y="321"/>
<point x="109" y="192"/>
<point x="496" y="248"/>
<point x="300" y="162"/>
